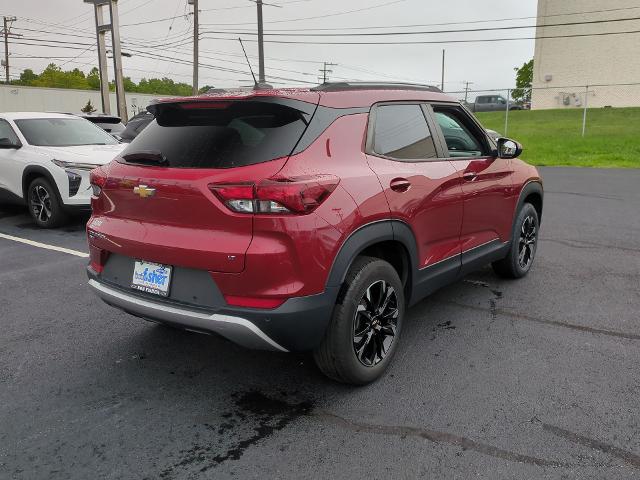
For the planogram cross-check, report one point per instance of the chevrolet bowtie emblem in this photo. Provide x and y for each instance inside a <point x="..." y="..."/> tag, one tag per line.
<point x="143" y="191"/>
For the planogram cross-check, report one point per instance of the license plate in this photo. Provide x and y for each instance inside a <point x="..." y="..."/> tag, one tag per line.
<point x="151" y="278"/>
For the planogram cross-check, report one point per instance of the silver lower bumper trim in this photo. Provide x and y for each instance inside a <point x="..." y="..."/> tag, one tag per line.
<point x="238" y="330"/>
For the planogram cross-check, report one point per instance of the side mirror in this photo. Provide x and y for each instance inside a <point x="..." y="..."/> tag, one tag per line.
<point x="508" y="148"/>
<point x="7" y="143"/>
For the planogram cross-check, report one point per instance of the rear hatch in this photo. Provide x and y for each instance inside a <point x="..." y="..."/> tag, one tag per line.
<point x="156" y="203"/>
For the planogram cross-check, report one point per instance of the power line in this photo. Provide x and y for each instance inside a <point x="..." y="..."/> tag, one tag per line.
<point x="155" y="21"/>
<point x="438" y="42"/>
<point x="72" y="45"/>
<point x="133" y="69"/>
<point x="432" y="32"/>
<point x="371" y="7"/>
<point x="438" y="24"/>
<point x="188" y="31"/>
<point x="78" y="46"/>
<point x="136" y="8"/>
<point x="411" y="42"/>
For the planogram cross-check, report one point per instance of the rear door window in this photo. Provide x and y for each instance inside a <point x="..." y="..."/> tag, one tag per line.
<point x="224" y="135"/>
<point x="401" y="132"/>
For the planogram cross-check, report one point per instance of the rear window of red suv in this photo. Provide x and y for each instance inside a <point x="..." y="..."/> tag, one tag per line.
<point x="221" y="135"/>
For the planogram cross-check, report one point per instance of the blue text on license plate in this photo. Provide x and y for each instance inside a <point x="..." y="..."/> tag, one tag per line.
<point x="151" y="278"/>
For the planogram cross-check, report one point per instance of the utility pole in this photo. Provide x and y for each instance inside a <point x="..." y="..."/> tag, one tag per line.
<point x="196" y="38"/>
<point x="101" y="29"/>
<point x="261" y="78"/>
<point x="7" y="21"/>
<point x="324" y="70"/>
<point x="117" y="60"/>
<point x="466" y="90"/>
<point x="442" y="84"/>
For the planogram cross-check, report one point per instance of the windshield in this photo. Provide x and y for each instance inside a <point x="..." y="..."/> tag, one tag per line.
<point x="63" y="132"/>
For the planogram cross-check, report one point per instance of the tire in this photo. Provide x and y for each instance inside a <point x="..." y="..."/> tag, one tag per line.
<point x="377" y="336"/>
<point x="44" y="204"/>
<point x="524" y="236"/>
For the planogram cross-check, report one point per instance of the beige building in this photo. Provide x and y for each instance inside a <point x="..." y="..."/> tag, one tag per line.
<point x="563" y="67"/>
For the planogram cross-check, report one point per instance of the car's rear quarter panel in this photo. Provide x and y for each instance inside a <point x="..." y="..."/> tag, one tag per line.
<point x="293" y="255"/>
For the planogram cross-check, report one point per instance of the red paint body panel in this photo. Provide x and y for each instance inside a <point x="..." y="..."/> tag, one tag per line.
<point x="487" y="185"/>
<point x="432" y="206"/>
<point x="183" y="223"/>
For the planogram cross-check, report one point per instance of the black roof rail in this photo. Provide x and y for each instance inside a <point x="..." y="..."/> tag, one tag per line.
<point x="340" y="86"/>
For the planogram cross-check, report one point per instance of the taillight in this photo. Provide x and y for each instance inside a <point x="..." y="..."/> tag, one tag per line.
<point x="297" y="195"/>
<point x="97" y="178"/>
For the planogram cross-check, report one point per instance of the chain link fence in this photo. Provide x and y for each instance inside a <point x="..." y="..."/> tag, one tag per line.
<point x="593" y="125"/>
<point x="580" y="100"/>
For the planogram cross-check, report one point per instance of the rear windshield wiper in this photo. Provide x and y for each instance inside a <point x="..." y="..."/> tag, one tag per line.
<point x="146" y="157"/>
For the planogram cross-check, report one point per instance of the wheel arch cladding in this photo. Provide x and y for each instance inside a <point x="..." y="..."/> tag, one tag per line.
<point x="389" y="240"/>
<point x="532" y="193"/>
<point x="33" y="172"/>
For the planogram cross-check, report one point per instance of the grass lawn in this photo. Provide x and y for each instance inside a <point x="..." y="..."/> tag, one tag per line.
<point x="554" y="137"/>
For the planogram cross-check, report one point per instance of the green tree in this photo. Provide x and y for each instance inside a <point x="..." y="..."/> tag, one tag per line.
<point x="54" y="77"/>
<point x="88" y="108"/>
<point x="524" y="79"/>
<point x="27" y="77"/>
<point x="93" y="79"/>
<point x="205" y="89"/>
<point x="129" y="85"/>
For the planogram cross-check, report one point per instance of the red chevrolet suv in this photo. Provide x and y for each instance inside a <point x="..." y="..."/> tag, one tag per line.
<point x="308" y="219"/>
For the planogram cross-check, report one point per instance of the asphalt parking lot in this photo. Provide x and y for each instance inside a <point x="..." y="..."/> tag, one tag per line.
<point x="536" y="378"/>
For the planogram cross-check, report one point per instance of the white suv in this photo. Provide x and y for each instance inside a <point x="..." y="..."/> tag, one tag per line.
<point x="45" y="160"/>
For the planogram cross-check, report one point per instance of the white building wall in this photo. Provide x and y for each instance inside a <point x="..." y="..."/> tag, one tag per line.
<point x="15" y="98"/>
<point x="564" y="66"/>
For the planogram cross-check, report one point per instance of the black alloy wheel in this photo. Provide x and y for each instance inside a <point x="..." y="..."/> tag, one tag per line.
<point x="527" y="244"/>
<point x="375" y="324"/>
<point x="524" y="244"/>
<point x="365" y="327"/>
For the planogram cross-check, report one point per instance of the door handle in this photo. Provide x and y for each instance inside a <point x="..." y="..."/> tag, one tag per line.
<point x="469" y="176"/>
<point x="400" y="185"/>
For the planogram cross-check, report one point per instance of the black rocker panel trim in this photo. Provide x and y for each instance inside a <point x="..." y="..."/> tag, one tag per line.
<point x="482" y="255"/>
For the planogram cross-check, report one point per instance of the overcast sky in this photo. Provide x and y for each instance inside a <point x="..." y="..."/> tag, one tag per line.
<point x="488" y="65"/>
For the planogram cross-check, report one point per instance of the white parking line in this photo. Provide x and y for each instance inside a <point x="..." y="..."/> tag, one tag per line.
<point x="45" y="246"/>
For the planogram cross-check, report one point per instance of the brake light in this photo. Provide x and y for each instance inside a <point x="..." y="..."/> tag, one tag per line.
<point x="296" y="195"/>
<point x="205" y="105"/>
<point x="97" y="179"/>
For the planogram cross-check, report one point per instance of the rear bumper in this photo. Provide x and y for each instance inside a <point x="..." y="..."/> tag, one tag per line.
<point x="297" y="325"/>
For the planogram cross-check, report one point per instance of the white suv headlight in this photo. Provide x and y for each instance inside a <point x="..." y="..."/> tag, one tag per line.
<point x="73" y="165"/>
